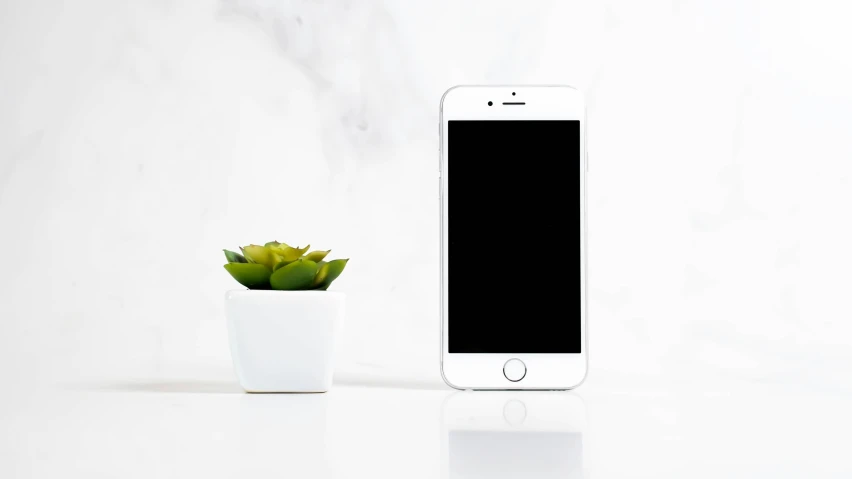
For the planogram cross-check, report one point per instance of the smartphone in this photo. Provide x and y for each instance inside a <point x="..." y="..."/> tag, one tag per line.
<point x="513" y="434"/>
<point x="516" y="157"/>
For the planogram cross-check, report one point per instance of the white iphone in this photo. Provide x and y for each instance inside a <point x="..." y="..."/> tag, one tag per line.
<point x="516" y="158"/>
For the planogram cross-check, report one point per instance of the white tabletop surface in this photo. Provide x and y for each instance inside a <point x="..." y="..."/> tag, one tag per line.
<point x="185" y="428"/>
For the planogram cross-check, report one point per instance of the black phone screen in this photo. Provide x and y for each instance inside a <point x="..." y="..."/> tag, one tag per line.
<point x="513" y="236"/>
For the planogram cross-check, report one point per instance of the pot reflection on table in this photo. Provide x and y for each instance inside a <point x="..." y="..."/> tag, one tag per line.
<point x="289" y="429"/>
<point x="511" y="434"/>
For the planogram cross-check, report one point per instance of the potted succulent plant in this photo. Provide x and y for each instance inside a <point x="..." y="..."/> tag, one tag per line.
<point x="282" y="328"/>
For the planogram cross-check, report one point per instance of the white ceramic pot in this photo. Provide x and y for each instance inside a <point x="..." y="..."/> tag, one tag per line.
<point x="283" y="341"/>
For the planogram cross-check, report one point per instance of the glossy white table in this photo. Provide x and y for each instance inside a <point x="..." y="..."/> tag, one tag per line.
<point x="204" y="429"/>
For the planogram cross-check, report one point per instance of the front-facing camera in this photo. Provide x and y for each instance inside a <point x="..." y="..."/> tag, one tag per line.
<point x="489" y="103"/>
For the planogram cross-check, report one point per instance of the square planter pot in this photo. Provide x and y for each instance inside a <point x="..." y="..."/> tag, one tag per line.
<point x="283" y="341"/>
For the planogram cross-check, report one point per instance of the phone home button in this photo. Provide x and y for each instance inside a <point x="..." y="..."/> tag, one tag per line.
<point x="514" y="370"/>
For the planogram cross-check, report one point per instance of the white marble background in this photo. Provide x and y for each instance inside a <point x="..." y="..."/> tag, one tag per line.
<point x="137" y="139"/>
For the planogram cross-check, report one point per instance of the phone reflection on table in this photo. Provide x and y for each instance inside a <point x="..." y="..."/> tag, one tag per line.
<point x="513" y="434"/>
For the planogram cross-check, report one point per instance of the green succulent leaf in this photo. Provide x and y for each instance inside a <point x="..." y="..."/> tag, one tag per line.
<point x="234" y="257"/>
<point x="280" y="265"/>
<point x="272" y="243"/>
<point x="327" y="273"/>
<point x="317" y="255"/>
<point x="322" y="273"/>
<point x="294" y="276"/>
<point x="252" y="276"/>
<point x="283" y="252"/>
<point x="260" y="255"/>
